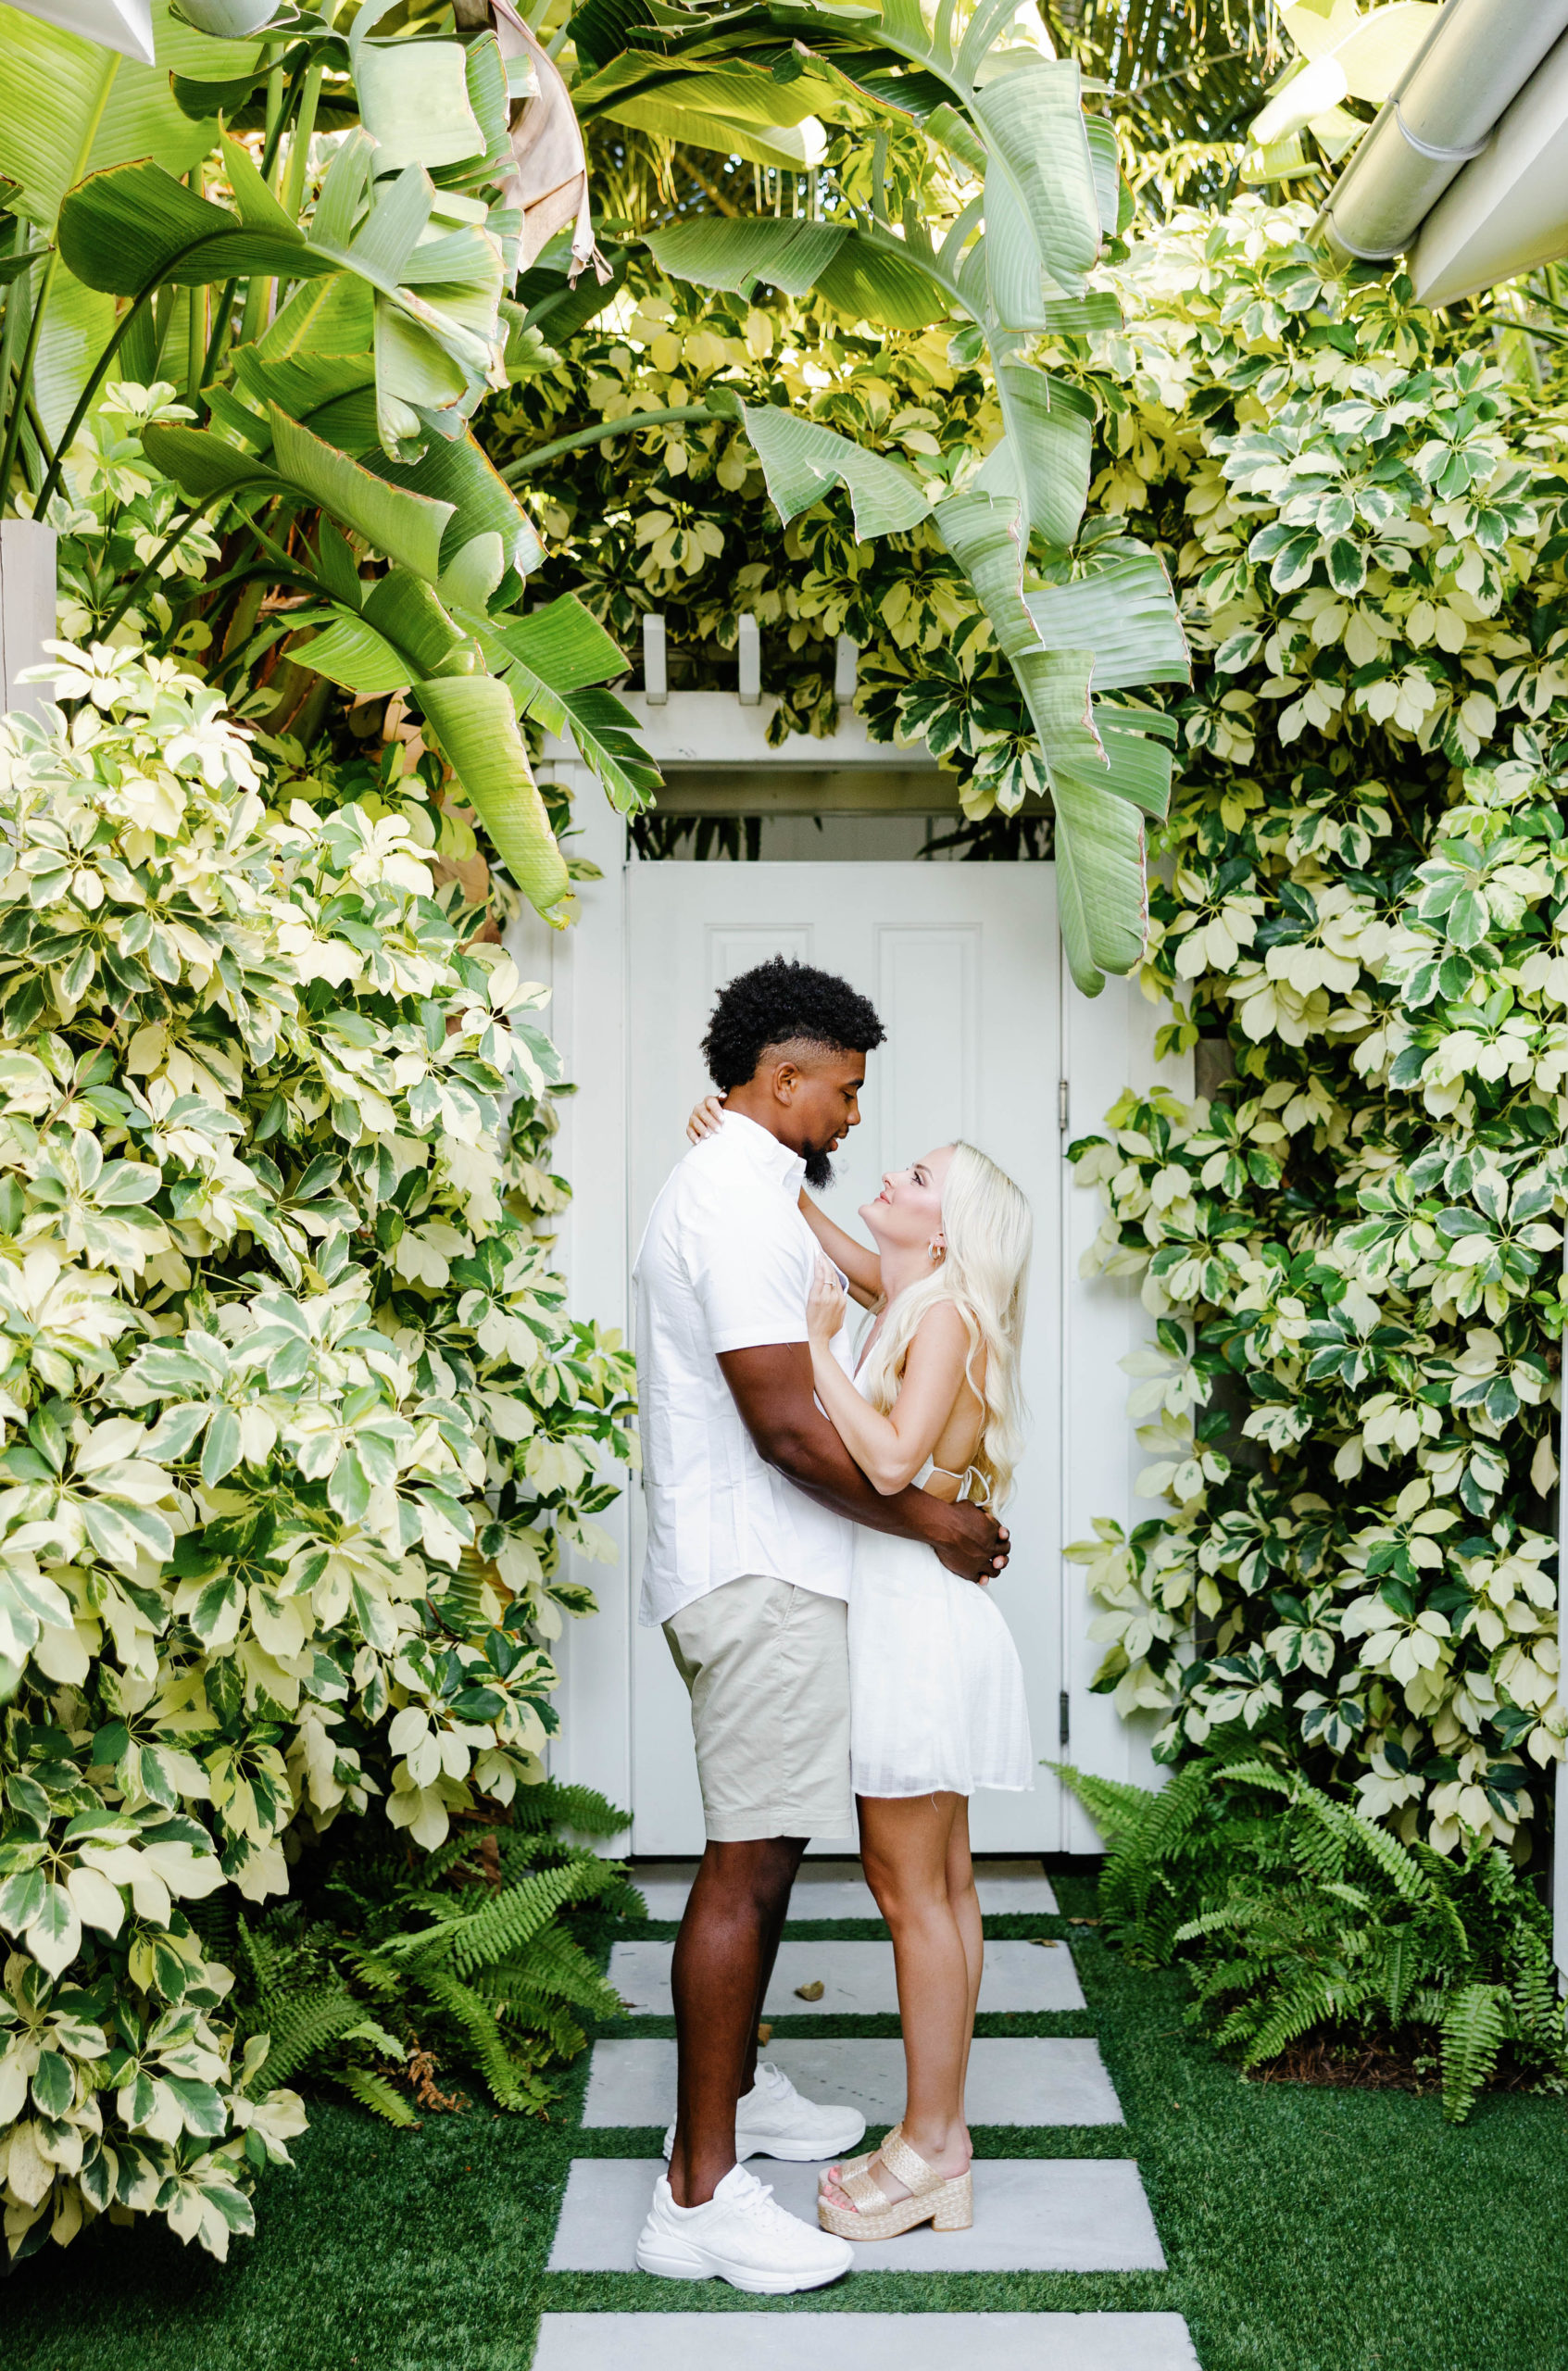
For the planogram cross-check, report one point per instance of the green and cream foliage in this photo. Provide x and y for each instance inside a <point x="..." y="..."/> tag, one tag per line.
<point x="1012" y="195"/>
<point x="328" y="294"/>
<point x="297" y="1426"/>
<point x="1353" y="1251"/>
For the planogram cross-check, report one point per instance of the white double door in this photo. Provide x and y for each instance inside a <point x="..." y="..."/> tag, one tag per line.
<point x="962" y="964"/>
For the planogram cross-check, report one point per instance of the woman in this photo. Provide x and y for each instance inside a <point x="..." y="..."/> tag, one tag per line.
<point x="937" y="1687"/>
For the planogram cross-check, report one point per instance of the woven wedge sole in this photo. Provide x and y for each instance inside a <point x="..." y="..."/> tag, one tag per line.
<point x="949" y="2207"/>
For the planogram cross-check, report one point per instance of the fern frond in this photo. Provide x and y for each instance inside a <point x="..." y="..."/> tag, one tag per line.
<point x="1258" y="1774"/>
<point x="555" y="1965"/>
<point x="1311" y="2000"/>
<point x="373" y="2091"/>
<point x="368" y="2030"/>
<point x="581" y="1808"/>
<point x="506" y="1923"/>
<point x="302" y="2025"/>
<point x="539" y="2015"/>
<point x="510" y="2084"/>
<point x="1474" y="2027"/>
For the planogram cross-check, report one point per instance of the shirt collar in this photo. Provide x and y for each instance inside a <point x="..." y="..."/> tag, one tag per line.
<point x="764" y="1150"/>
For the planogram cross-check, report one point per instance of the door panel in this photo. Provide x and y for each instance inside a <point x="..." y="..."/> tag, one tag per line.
<point x="962" y="964"/>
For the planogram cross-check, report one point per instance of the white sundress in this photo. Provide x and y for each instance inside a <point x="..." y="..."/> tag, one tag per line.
<point x="936" y="1686"/>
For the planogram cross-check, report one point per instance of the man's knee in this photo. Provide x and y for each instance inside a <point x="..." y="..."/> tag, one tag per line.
<point x="760" y="1871"/>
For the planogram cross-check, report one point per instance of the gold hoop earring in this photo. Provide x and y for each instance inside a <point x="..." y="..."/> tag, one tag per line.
<point x="937" y="1251"/>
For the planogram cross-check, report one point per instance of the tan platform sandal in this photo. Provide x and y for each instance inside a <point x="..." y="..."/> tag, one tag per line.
<point x="858" y="2164"/>
<point x="945" y="2202"/>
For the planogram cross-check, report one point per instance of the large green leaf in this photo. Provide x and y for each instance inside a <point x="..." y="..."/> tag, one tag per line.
<point x="1049" y="440"/>
<point x="1138" y="760"/>
<point x="869" y="280"/>
<point x="802" y="461"/>
<point x="69" y="108"/>
<point x="1110" y="191"/>
<point x="1005" y="270"/>
<point x="1102" y="894"/>
<point x="561" y="648"/>
<point x="1034" y="126"/>
<point x="1100" y="838"/>
<point x="407" y="527"/>
<point x="984" y="533"/>
<point x="78" y="324"/>
<point x="715" y="252"/>
<point x="135" y="226"/>
<point x="553" y="662"/>
<point x="228" y="19"/>
<point x="414" y="102"/>
<point x="473" y="719"/>
<point x="403" y="608"/>
<point x="790" y="148"/>
<point x="727" y="105"/>
<point x="352" y="654"/>
<point x="459" y="473"/>
<point x="1122" y="607"/>
<point x="204" y="466"/>
<point x="866" y="279"/>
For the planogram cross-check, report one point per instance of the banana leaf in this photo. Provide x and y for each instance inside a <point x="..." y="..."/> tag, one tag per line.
<point x="473" y="719"/>
<point x="802" y="461"/>
<point x="69" y="108"/>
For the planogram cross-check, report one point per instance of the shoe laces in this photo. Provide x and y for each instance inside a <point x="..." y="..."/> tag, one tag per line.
<point x="776" y="2080"/>
<point x="756" y="2198"/>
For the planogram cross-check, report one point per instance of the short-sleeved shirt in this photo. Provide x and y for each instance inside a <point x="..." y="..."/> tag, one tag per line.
<point x="725" y="1264"/>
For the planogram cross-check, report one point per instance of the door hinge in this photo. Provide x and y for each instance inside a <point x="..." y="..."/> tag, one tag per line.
<point x="1061" y="1105"/>
<point x="1064" y="1718"/>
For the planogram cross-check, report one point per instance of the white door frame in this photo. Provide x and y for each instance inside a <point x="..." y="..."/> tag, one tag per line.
<point x="1108" y="1043"/>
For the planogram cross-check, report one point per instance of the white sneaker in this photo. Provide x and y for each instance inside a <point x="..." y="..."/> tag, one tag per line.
<point x="741" y="2237"/>
<point x="774" y="2121"/>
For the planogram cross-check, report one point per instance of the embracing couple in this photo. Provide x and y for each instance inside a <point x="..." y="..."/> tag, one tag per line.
<point x="820" y="1534"/>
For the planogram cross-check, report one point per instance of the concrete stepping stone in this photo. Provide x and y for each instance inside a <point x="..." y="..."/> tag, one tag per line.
<point x="877" y="2343"/>
<point x="857" y="1980"/>
<point x="1031" y="2214"/>
<point x="837" y="1889"/>
<point x="1012" y="2079"/>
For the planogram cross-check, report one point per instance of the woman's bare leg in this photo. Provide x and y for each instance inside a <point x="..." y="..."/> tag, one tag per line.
<point x="965" y="1904"/>
<point x="903" y="1846"/>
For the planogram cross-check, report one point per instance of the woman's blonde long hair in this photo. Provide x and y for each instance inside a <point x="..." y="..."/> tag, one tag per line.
<point x="989" y="1231"/>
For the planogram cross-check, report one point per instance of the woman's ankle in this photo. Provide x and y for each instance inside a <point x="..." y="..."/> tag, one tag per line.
<point x="943" y="2145"/>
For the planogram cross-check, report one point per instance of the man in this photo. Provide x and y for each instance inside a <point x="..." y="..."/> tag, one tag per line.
<point x="750" y="1496"/>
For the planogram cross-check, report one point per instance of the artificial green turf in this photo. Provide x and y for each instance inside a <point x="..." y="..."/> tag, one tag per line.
<point x="1305" y="2229"/>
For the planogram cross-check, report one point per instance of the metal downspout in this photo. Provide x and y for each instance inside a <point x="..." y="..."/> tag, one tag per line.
<point x="1475" y="61"/>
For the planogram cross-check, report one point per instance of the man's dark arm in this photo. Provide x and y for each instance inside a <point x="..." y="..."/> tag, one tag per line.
<point x="771" y="1386"/>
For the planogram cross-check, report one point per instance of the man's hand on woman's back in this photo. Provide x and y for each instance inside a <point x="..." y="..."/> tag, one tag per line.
<point x="969" y="1542"/>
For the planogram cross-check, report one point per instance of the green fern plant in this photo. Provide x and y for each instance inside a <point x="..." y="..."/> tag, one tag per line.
<point x="1291" y="1916"/>
<point x="392" y="1966"/>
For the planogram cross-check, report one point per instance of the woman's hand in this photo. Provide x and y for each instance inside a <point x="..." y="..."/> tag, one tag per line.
<point x="706" y="1117"/>
<point x="824" y="1306"/>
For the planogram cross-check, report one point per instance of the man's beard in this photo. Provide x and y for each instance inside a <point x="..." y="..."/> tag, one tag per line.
<point x="819" y="1171"/>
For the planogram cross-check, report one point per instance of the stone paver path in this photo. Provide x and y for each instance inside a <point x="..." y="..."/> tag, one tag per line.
<point x="837" y="1889"/>
<point x="880" y="2342"/>
<point x="1010" y="2081"/>
<point x="1056" y="2215"/>
<point x="857" y="1979"/>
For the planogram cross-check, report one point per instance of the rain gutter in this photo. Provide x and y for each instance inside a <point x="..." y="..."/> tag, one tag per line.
<point x="1474" y="63"/>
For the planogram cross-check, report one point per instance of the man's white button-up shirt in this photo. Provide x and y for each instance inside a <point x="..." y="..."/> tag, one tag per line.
<point x="725" y="1264"/>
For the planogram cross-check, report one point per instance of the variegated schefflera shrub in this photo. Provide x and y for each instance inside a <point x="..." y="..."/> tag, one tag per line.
<point x="297" y="1424"/>
<point x="1353" y="1247"/>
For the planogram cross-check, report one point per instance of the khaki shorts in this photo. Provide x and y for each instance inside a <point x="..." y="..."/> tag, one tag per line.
<point x="767" y="1667"/>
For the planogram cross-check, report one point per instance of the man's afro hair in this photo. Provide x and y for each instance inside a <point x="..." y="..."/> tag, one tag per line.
<point x="778" y="1002"/>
